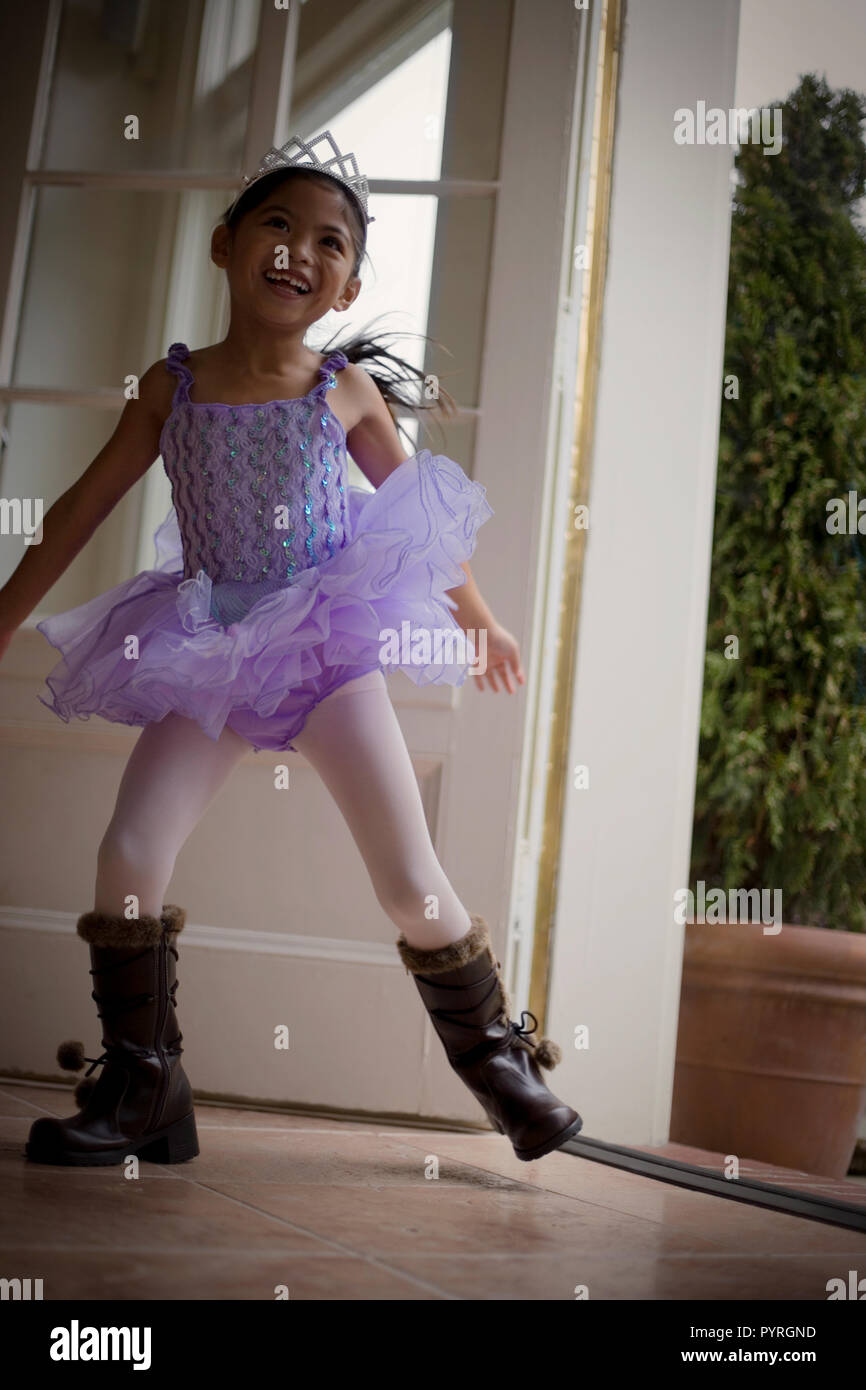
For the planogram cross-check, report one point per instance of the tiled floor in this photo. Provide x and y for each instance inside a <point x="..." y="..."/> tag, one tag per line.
<point x="345" y="1210"/>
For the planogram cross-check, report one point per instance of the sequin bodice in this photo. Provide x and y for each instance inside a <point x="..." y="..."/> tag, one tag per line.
<point x="259" y="490"/>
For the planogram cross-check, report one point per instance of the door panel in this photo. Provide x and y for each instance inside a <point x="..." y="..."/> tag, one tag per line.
<point x="283" y="926"/>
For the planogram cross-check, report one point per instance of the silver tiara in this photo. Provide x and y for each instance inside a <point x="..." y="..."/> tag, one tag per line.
<point x="301" y="154"/>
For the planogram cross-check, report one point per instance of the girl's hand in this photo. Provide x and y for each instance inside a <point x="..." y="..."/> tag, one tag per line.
<point x="503" y="660"/>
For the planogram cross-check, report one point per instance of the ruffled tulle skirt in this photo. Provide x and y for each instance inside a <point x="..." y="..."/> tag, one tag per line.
<point x="258" y="658"/>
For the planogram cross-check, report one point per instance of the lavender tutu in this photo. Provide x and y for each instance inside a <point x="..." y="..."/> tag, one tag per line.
<point x="235" y="627"/>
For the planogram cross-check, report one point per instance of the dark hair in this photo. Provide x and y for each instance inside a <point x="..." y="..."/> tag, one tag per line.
<point x="365" y="347"/>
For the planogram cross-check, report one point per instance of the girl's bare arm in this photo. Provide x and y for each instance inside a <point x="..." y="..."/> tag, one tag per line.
<point x="73" y="518"/>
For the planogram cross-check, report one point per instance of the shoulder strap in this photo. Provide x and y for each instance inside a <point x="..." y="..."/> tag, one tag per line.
<point x="174" y="361"/>
<point x="335" y="363"/>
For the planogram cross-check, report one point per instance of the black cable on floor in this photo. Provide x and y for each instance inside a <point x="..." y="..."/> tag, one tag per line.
<point x="759" y="1194"/>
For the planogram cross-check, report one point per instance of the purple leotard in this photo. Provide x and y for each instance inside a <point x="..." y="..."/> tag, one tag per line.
<point x="274" y="580"/>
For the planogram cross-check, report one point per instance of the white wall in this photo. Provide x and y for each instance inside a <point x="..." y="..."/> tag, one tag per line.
<point x="782" y="39"/>
<point x="617" y="952"/>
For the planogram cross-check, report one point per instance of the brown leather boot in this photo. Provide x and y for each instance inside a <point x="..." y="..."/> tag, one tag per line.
<point x="142" y="1102"/>
<point x="465" y="997"/>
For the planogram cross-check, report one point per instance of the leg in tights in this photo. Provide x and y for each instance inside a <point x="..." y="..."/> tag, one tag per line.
<point x="174" y="771"/>
<point x="355" y="743"/>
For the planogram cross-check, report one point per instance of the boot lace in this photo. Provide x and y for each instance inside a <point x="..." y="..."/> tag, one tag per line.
<point x="520" y="1029"/>
<point x="121" y="1006"/>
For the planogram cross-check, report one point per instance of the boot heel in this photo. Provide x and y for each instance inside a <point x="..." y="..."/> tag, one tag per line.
<point x="556" y="1142"/>
<point x="175" y="1145"/>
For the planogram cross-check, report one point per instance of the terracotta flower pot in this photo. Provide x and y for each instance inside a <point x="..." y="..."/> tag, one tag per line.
<point x="771" y="1050"/>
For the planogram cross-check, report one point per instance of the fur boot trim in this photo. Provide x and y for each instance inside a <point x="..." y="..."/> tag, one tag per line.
<point x="120" y="933"/>
<point x="173" y="918"/>
<point x="548" y="1053"/>
<point x="545" y="1052"/>
<point x="70" y="1056"/>
<point x="450" y="957"/>
<point x="455" y="954"/>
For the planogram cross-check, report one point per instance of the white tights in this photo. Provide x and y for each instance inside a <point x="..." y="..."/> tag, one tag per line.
<point x="354" y="741"/>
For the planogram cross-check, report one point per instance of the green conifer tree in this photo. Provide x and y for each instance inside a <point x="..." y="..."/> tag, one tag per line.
<point x="781" y="787"/>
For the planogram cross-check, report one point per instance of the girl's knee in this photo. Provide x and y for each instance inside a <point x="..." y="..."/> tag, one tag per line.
<point x="122" y="849"/>
<point x="409" y="898"/>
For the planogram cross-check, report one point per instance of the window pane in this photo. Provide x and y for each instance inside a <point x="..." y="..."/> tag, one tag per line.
<point x="424" y="102"/>
<point x="408" y="148"/>
<point x="397" y="280"/>
<point x="112" y="275"/>
<point x="183" y="70"/>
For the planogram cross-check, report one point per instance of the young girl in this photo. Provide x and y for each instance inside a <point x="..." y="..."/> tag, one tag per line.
<point x="263" y="624"/>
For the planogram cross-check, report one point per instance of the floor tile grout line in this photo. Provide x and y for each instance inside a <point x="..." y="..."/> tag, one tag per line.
<point x="830" y="1185"/>
<point x="410" y="1134"/>
<point x="671" y="1224"/>
<point x="718" y="1251"/>
<point x="573" y="1197"/>
<point x="526" y="1186"/>
<point x="601" y="1206"/>
<point x="327" y="1240"/>
<point x="222" y="1252"/>
<point x="804" y="1191"/>
<point x="716" y="1196"/>
<point x="22" y="1101"/>
<point x="557" y="1191"/>
<point x="595" y="1206"/>
<point x="181" y="1250"/>
<point x="364" y="1130"/>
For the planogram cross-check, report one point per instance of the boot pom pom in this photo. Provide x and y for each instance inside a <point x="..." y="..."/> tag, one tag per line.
<point x="70" y="1056"/>
<point x="83" y="1091"/>
<point x="548" y="1053"/>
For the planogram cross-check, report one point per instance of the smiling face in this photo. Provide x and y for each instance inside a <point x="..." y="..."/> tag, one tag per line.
<point x="306" y="216"/>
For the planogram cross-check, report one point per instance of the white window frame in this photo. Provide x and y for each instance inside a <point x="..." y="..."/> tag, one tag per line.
<point x="270" y="104"/>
